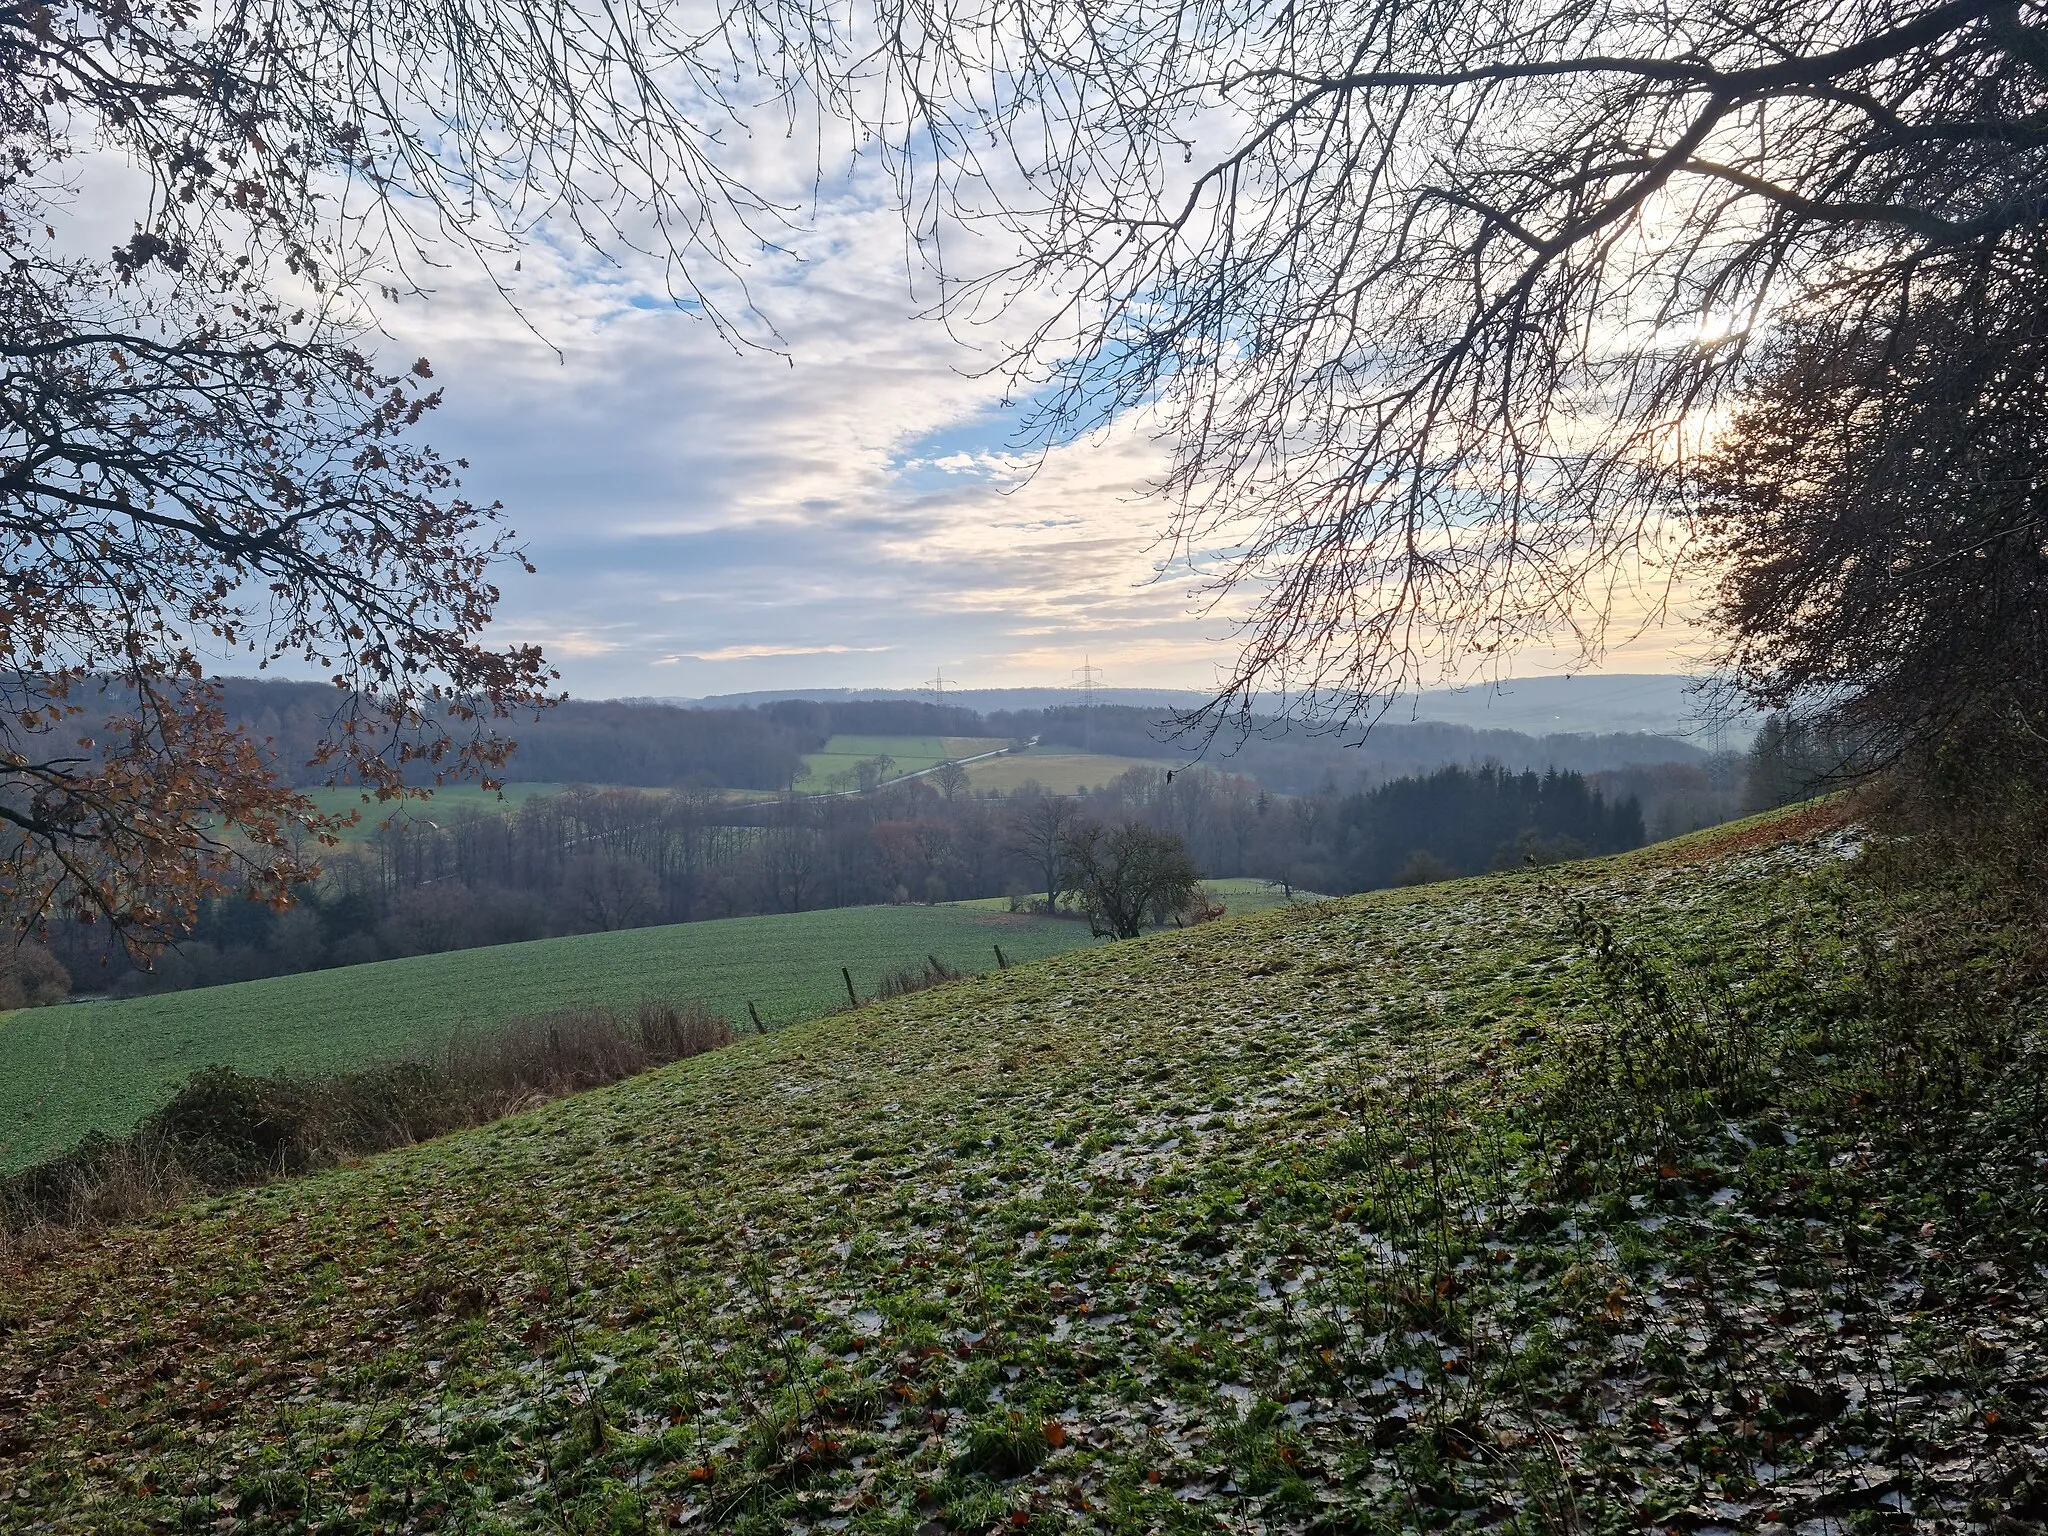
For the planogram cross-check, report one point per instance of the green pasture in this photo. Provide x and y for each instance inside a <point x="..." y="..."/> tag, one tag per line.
<point x="447" y="800"/>
<point x="842" y="753"/>
<point x="80" y="1067"/>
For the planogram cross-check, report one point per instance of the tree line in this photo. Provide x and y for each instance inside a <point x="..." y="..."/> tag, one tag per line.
<point x="1123" y="854"/>
<point x="652" y="745"/>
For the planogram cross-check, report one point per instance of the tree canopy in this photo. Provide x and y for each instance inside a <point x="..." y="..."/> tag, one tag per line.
<point x="1436" y="301"/>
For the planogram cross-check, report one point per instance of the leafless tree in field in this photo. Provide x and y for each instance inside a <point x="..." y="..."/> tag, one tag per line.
<point x="1039" y="830"/>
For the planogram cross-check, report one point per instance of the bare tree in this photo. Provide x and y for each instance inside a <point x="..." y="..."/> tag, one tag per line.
<point x="607" y="892"/>
<point x="1431" y="296"/>
<point x="1128" y="874"/>
<point x="1038" y="835"/>
<point x="792" y="864"/>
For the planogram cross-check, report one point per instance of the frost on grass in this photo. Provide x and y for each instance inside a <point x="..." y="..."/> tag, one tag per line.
<point x="1262" y="1226"/>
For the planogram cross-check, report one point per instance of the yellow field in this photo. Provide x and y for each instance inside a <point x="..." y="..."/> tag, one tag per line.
<point x="1060" y="773"/>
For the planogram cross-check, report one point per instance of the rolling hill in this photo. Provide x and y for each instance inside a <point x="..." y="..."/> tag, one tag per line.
<point x="1566" y="1200"/>
<point x="82" y="1067"/>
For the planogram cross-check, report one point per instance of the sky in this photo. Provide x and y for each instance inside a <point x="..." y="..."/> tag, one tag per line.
<point x="857" y="511"/>
<point x="848" y="507"/>
<point x="851" y="507"/>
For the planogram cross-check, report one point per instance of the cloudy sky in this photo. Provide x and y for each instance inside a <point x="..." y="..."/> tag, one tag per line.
<point x="853" y="512"/>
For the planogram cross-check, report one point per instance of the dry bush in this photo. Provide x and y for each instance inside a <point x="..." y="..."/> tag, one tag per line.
<point x="30" y="977"/>
<point x="909" y="978"/>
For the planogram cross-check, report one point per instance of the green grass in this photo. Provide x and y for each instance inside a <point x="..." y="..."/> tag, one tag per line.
<point x="842" y="753"/>
<point x="1437" y="1209"/>
<point x="447" y="800"/>
<point x="80" y="1067"/>
<point x="1059" y="773"/>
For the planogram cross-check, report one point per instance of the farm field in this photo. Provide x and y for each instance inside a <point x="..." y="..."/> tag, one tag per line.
<point x="444" y="801"/>
<point x="911" y="753"/>
<point x="1059" y="773"/>
<point x="1341" y="1218"/>
<point x="79" y="1067"/>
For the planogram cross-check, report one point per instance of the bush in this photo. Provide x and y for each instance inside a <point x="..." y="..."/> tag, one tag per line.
<point x="907" y="979"/>
<point x="30" y="976"/>
<point x="1126" y="874"/>
<point x="1424" y="868"/>
<point x="225" y="1128"/>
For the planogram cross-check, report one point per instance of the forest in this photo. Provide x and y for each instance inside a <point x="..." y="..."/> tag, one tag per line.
<point x="653" y="745"/>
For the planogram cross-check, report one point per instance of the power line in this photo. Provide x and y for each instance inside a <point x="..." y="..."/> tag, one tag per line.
<point x="936" y="685"/>
<point x="1091" y="679"/>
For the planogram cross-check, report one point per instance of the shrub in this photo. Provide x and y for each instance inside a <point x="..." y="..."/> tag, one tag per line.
<point x="1424" y="868"/>
<point x="911" y="979"/>
<point x="30" y="976"/>
<point x="1126" y="874"/>
<point x="225" y="1128"/>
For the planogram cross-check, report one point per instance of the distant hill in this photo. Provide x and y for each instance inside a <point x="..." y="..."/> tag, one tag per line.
<point x="1663" y="704"/>
<point x="760" y="742"/>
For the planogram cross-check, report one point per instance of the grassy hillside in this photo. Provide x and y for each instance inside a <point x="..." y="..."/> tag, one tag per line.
<point x="101" y="1066"/>
<point x="1572" y="1200"/>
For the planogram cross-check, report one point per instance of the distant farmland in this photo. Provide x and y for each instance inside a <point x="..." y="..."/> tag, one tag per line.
<point x="448" y="800"/>
<point x="1060" y="773"/>
<point x="909" y="753"/>
<point x="79" y="1067"/>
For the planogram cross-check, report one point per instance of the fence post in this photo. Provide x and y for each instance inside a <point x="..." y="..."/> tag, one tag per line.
<point x="754" y="1014"/>
<point x="1001" y="963"/>
<point x="852" y="996"/>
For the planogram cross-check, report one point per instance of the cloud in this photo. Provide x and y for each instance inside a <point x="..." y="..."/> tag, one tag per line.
<point x="760" y="652"/>
<point x="855" y="509"/>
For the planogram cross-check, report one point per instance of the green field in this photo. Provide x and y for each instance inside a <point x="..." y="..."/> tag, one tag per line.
<point x="79" y="1067"/>
<point x="843" y="753"/>
<point x="1059" y="773"/>
<point x="448" y="800"/>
